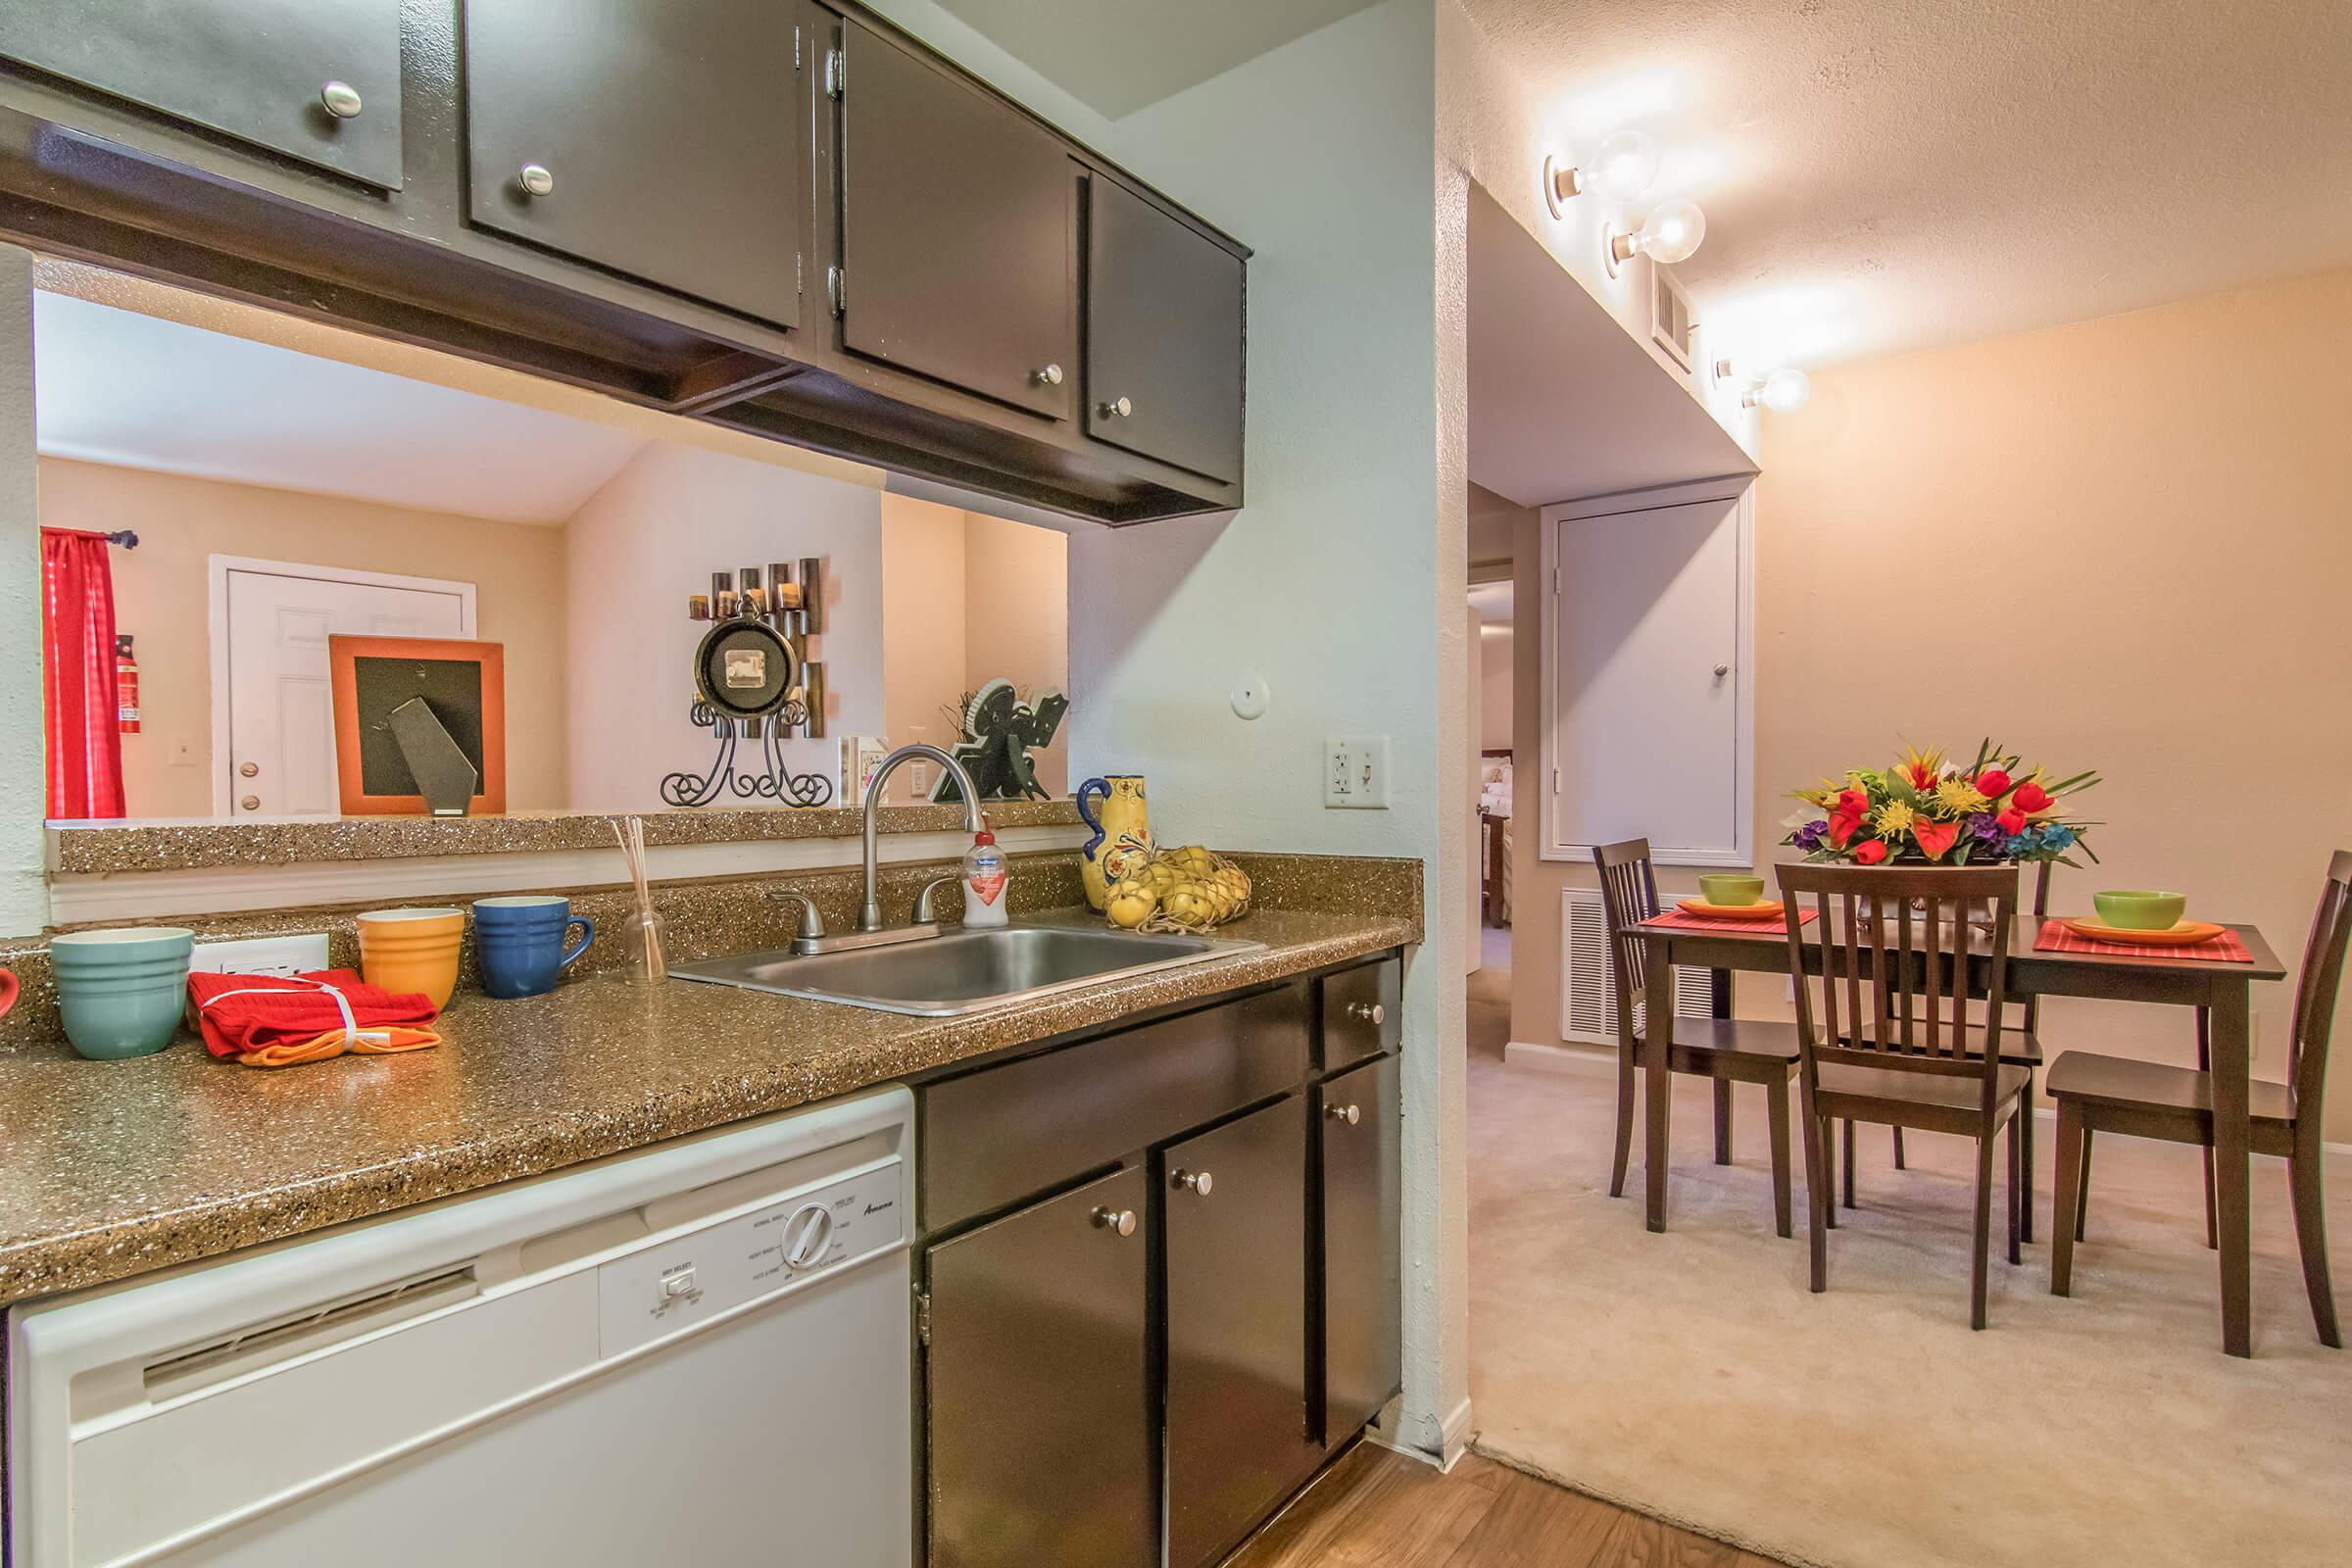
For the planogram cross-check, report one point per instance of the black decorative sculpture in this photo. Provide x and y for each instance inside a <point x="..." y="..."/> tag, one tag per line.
<point x="1000" y="730"/>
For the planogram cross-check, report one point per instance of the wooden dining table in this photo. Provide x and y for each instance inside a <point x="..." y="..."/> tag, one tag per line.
<point x="2222" y="986"/>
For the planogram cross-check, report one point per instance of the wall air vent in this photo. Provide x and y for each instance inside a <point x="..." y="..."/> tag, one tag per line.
<point x="1669" y="322"/>
<point x="1588" y="984"/>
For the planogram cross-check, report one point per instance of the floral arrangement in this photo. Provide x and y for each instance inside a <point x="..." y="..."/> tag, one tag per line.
<point x="1926" y="810"/>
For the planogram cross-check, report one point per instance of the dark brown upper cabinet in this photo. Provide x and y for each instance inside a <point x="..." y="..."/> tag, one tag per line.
<point x="668" y="142"/>
<point x="1163" y="336"/>
<point x="958" y="216"/>
<point x="314" y="79"/>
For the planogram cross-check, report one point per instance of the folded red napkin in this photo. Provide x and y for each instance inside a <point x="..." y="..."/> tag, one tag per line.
<point x="265" y="1021"/>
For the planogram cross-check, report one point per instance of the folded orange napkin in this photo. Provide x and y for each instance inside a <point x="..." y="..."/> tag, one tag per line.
<point x="267" y="1020"/>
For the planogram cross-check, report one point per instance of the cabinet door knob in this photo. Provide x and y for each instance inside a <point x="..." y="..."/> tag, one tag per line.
<point x="1370" y="1012"/>
<point x="249" y="769"/>
<point x="1118" y="409"/>
<point x="1721" y="670"/>
<point x="342" y="100"/>
<point x="1193" y="1181"/>
<point x="1051" y="376"/>
<point x="1119" y="1221"/>
<point x="250" y="802"/>
<point x="536" y="180"/>
<point x="1347" y="1113"/>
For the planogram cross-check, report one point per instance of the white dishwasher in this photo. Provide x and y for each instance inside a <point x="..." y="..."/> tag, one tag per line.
<point x="694" y="1354"/>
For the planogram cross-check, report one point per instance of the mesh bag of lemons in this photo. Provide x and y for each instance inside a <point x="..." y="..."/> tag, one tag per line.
<point x="1191" y="889"/>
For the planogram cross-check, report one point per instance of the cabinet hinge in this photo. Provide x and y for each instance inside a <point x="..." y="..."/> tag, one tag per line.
<point x="800" y="280"/>
<point x="923" y="1317"/>
<point x="837" y="290"/>
<point x="1555" y="582"/>
<point x="796" y="46"/>
<point x="837" y="73"/>
<point x="1555" y="781"/>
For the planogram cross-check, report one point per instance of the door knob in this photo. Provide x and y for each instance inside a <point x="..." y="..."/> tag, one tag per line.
<point x="1370" y="1012"/>
<point x="536" y="180"/>
<point x="249" y="769"/>
<point x="1721" y="670"/>
<point x="1193" y="1181"/>
<point x="1117" y="408"/>
<point x="1121" y="1221"/>
<point x="250" y="802"/>
<point x="1051" y="376"/>
<point x="1347" y="1113"/>
<point x="342" y="100"/>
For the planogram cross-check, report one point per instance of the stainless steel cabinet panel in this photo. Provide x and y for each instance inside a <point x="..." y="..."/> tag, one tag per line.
<point x="993" y="1137"/>
<point x="665" y="142"/>
<point x="1163" y="343"/>
<point x="957" y="222"/>
<point x="1041" y="1417"/>
<point x="1362" y="1013"/>
<point x="1235" y="1201"/>
<point x="1357" y="1117"/>
<point x="314" y="79"/>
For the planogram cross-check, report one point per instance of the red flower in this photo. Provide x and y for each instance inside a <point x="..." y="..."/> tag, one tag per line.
<point x="2030" y="797"/>
<point x="1992" y="783"/>
<point x="1933" y="837"/>
<point x="1843" y="827"/>
<point x="2013" y="821"/>
<point x="1852" y="803"/>
<point x="1922" y="776"/>
<point x="1870" y="852"/>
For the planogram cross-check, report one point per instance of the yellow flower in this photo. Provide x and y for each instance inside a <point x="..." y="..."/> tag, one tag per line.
<point x="1959" y="796"/>
<point x="1893" y="819"/>
<point x="1920" y="769"/>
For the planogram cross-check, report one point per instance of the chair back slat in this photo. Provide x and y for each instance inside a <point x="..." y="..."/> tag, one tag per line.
<point x="1629" y="896"/>
<point x="1922" y="942"/>
<point x="2316" y="989"/>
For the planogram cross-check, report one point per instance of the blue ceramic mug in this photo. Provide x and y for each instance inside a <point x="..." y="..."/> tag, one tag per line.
<point x="518" y="942"/>
<point x="122" y="992"/>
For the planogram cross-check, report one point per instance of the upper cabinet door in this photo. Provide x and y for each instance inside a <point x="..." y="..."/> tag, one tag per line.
<point x="667" y="141"/>
<point x="1163" y="343"/>
<point x="314" y="79"/>
<point x="956" y="220"/>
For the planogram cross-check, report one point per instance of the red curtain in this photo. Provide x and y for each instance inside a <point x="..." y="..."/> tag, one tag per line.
<point x="77" y="676"/>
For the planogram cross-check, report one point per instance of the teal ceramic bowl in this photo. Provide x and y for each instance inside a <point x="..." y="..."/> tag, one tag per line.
<point x="122" y="992"/>
<point x="1729" y="889"/>
<point x="2130" y="910"/>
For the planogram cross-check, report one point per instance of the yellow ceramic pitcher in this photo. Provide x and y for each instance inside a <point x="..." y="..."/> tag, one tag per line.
<point x="1121" y="835"/>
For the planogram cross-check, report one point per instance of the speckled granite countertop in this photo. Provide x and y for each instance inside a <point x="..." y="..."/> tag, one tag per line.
<point x="109" y="1169"/>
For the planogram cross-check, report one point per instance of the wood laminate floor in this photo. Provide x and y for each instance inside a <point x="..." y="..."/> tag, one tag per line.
<point x="1377" y="1508"/>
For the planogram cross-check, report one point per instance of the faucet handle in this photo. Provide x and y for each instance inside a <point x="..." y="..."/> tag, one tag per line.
<point x="926" y="903"/>
<point x="812" y="924"/>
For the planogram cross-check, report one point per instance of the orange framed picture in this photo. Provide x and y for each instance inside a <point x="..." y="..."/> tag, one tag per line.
<point x="463" y="683"/>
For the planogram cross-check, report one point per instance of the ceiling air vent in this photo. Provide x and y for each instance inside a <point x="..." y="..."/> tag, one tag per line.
<point x="1669" y="317"/>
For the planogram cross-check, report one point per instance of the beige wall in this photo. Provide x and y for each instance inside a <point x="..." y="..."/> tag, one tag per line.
<point x="1016" y="617"/>
<point x="162" y="588"/>
<point x="2119" y="544"/>
<point x="1496" y="652"/>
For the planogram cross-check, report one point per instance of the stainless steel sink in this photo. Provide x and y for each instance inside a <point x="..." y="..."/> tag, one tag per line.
<point x="961" y="971"/>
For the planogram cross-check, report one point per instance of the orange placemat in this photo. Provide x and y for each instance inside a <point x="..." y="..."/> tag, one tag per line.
<point x="2057" y="937"/>
<point x="1684" y="921"/>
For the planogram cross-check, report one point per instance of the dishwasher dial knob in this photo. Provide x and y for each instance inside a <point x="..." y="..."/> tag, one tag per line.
<point x="807" y="1234"/>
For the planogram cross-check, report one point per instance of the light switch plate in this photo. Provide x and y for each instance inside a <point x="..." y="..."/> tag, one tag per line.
<point x="299" y="953"/>
<point x="1355" y="773"/>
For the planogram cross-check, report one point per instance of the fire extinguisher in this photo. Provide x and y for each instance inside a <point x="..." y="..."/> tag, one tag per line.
<point x="126" y="687"/>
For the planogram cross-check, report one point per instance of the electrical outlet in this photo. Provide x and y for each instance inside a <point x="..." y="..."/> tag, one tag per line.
<point x="1355" y="773"/>
<point x="297" y="953"/>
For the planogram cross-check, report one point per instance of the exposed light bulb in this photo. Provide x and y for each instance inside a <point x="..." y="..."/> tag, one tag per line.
<point x="1626" y="165"/>
<point x="1784" y="391"/>
<point x="1671" y="233"/>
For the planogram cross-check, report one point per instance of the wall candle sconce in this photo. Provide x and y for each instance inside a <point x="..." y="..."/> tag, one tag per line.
<point x="1671" y="233"/>
<point x="1782" y="391"/>
<point x="1623" y="166"/>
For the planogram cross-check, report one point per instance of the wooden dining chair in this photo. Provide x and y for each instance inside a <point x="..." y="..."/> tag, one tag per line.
<point x="1728" y="1051"/>
<point x="2097" y="1094"/>
<point x="1895" y="1039"/>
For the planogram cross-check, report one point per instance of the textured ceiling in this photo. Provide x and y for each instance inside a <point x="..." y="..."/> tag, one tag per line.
<point x="1885" y="174"/>
<point x="1117" y="56"/>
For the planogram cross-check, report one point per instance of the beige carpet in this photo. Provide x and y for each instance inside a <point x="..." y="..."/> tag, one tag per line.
<point x="1693" y="1376"/>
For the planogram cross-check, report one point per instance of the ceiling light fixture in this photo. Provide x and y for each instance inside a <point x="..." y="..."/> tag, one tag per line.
<point x="1671" y="233"/>
<point x="1782" y="391"/>
<point x="1623" y="166"/>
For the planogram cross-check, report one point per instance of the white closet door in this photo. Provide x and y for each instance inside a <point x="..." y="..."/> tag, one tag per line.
<point x="281" y="725"/>
<point x="1650" y="732"/>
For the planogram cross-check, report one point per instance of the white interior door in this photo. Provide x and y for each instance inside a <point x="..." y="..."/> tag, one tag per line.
<point x="281" y="756"/>
<point x="1648" y="700"/>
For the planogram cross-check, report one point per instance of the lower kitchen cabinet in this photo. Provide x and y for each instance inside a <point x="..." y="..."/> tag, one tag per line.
<point x="1359" y="1130"/>
<point x="1042" y="1412"/>
<point x="1234" y="1243"/>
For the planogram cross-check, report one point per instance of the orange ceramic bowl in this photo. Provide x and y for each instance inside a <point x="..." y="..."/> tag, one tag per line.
<point x="406" y="951"/>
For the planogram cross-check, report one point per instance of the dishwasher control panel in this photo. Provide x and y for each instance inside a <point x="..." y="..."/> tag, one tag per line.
<point x="676" y="1284"/>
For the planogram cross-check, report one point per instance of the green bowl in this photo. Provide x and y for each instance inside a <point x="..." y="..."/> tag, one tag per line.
<point x="122" y="992"/>
<point x="2132" y="909"/>
<point x="1727" y="889"/>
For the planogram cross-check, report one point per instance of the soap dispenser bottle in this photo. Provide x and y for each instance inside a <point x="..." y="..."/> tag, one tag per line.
<point x="987" y="882"/>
